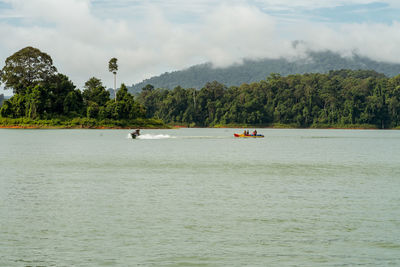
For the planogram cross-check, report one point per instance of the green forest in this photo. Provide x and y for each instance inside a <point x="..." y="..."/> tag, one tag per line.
<point x="342" y="98"/>
<point x="44" y="97"/>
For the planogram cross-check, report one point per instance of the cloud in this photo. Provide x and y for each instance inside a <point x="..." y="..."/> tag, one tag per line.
<point x="81" y="44"/>
<point x="374" y="40"/>
<point x="316" y="4"/>
<point x="149" y="38"/>
<point x="233" y="32"/>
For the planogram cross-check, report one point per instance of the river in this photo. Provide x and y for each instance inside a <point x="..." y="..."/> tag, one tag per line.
<point x="199" y="197"/>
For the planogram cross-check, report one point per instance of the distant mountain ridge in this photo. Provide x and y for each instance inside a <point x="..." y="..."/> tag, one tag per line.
<point x="256" y="70"/>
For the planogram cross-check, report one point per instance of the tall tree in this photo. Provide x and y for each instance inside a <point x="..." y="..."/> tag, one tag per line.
<point x="95" y="92"/>
<point x="113" y="67"/>
<point x="26" y="68"/>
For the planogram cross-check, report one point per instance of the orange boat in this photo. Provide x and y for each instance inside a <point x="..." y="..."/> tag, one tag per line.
<point x="249" y="135"/>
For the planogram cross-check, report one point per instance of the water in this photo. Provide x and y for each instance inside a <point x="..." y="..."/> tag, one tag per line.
<point x="199" y="197"/>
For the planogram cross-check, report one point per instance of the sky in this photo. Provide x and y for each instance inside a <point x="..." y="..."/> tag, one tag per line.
<point x="150" y="37"/>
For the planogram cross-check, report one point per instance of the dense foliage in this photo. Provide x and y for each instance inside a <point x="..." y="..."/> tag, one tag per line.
<point x="26" y="68"/>
<point x="337" y="99"/>
<point x="256" y="70"/>
<point x="58" y="97"/>
<point x="42" y="94"/>
<point x="343" y="98"/>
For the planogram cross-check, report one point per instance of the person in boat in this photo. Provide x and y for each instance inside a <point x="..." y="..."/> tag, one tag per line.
<point x="247" y="132"/>
<point x="135" y="134"/>
<point x="255" y="132"/>
<point x="244" y="133"/>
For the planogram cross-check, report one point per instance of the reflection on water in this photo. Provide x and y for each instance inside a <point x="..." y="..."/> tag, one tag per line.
<point x="199" y="197"/>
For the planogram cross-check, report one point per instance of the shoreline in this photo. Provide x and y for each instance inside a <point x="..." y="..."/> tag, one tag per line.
<point x="80" y="123"/>
<point x="74" y="128"/>
<point x="182" y="127"/>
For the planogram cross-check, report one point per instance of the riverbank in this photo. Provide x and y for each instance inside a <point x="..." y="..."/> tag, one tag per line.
<point x="80" y="123"/>
<point x="86" y="123"/>
<point x="294" y="126"/>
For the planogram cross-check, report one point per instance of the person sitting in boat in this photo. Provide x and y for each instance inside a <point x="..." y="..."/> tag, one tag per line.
<point x="255" y="132"/>
<point x="244" y="133"/>
<point x="247" y="132"/>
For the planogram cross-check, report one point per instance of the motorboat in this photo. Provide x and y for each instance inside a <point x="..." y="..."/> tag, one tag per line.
<point x="135" y="134"/>
<point x="249" y="135"/>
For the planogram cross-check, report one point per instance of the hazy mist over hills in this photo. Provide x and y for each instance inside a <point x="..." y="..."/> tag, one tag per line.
<point x="255" y="70"/>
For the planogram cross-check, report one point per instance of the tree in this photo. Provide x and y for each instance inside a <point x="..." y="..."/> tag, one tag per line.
<point x="6" y="110"/>
<point x="35" y="101"/>
<point x="73" y="103"/>
<point x="58" y="86"/>
<point x="148" y="87"/>
<point x="14" y="107"/>
<point x="26" y="68"/>
<point x="93" y="83"/>
<point x="125" y="103"/>
<point x="95" y="92"/>
<point x="113" y="67"/>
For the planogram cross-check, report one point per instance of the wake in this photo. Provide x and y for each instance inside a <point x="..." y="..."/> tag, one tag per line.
<point x="154" y="136"/>
<point x="167" y="136"/>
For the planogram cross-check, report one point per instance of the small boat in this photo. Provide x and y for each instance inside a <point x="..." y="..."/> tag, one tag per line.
<point x="249" y="135"/>
<point x="135" y="134"/>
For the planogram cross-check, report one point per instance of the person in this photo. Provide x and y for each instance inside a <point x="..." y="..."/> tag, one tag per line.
<point x="244" y="133"/>
<point x="247" y="132"/>
<point x="255" y="132"/>
<point x="135" y="134"/>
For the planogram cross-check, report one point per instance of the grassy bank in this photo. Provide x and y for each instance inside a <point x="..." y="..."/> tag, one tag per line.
<point x="344" y="126"/>
<point x="295" y="126"/>
<point x="85" y="123"/>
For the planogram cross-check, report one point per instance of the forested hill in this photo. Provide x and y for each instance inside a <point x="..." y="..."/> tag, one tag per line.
<point x="342" y="99"/>
<point x="254" y="71"/>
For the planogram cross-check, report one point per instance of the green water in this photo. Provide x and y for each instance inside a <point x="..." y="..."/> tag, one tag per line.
<point x="199" y="197"/>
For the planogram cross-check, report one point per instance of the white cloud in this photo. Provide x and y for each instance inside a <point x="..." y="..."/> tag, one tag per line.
<point x="314" y="4"/>
<point x="231" y="32"/>
<point x="149" y="38"/>
<point x="376" y="41"/>
<point x="82" y="44"/>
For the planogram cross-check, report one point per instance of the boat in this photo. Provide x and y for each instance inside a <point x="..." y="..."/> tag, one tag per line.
<point x="135" y="134"/>
<point x="248" y="135"/>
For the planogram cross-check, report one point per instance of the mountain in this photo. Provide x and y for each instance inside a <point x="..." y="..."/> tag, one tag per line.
<point x="256" y="70"/>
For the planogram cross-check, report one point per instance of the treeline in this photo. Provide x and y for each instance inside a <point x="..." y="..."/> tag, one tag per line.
<point x="40" y="94"/>
<point x="342" y="98"/>
<point x="58" y="96"/>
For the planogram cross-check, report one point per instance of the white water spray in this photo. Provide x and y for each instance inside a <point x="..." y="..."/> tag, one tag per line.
<point x="154" y="136"/>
